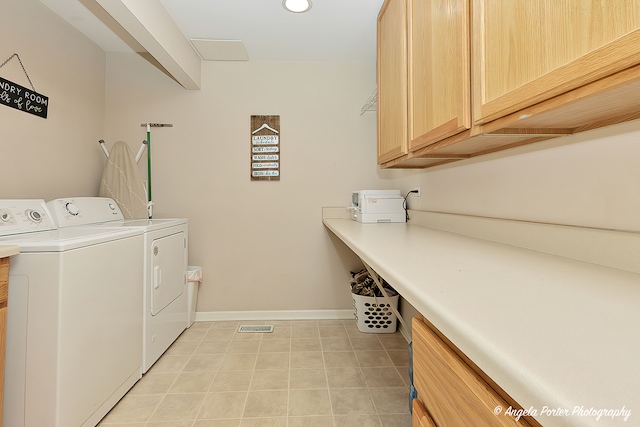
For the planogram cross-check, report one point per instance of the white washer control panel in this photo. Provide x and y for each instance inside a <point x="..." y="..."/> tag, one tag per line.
<point x="84" y="211"/>
<point x="24" y="216"/>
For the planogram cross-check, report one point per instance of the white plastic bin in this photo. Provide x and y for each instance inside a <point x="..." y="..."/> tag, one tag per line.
<point x="194" y="277"/>
<point x="374" y="314"/>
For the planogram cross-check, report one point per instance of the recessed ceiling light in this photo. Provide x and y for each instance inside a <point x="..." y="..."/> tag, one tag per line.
<point x="297" y="6"/>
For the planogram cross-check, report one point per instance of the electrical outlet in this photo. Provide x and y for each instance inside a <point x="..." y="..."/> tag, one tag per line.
<point x="418" y="194"/>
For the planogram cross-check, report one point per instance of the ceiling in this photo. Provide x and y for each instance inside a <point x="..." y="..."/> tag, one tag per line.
<point x="333" y="30"/>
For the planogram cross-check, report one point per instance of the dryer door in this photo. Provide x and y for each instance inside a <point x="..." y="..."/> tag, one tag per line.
<point x="167" y="271"/>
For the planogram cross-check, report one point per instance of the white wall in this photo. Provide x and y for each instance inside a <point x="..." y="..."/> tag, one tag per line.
<point x="590" y="179"/>
<point x="58" y="156"/>
<point x="262" y="245"/>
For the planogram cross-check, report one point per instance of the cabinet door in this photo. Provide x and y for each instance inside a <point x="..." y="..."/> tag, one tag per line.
<point x="420" y="417"/>
<point x="528" y="51"/>
<point x="439" y="76"/>
<point x="452" y="391"/>
<point x="392" y="80"/>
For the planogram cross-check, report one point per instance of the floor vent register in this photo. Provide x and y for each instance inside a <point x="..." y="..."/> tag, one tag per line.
<point x="256" y="328"/>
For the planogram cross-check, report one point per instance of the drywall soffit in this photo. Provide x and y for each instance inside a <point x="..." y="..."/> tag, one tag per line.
<point x="150" y="25"/>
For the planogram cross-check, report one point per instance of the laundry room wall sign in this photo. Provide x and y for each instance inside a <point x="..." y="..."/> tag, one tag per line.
<point x="21" y="98"/>
<point x="265" y="148"/>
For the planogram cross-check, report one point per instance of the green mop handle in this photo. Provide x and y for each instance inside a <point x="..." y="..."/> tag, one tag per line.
<point x="149" y="162"/>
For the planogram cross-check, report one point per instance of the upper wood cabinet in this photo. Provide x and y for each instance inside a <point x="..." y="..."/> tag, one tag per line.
<point x="423" y="74"/>
<point x="392" y="80"/>
<point x="527" y="51"/>
<point x="463" y="78"/>
<point x="439" y="89"/>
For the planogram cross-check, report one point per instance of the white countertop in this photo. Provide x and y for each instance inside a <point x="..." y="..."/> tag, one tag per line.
<point x="8" y="250"/>
<point x="551" y="331"/>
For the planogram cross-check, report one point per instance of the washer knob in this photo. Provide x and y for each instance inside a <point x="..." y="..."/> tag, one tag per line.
<point x="5" y="217"/>
<point x="72" y="209"/>
<point x="34" y="216"/>
<point x="112" y="206"/>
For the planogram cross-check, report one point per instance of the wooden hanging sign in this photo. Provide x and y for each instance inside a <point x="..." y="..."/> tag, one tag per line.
<point x="19" y="97"/>
<point x="265" y="148"/>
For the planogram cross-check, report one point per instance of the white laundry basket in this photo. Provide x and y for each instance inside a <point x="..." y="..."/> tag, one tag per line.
<point x="374" y="314"/>
<point x="194" y="277"/>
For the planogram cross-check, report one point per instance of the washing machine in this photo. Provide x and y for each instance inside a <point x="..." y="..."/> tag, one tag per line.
<point x="165" y="257"/>
<point x="74" y="318"/>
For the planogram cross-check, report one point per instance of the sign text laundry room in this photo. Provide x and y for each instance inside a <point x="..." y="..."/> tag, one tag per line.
<point x="265" y="148"/>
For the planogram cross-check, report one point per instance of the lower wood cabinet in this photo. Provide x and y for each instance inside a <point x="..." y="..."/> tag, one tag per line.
<point x="4" y="294"/>
<point x="420" y="417"/>
<point x="450" y="391"/>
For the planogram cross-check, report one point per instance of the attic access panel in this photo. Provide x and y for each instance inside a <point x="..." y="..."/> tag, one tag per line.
<point x="265" y="148"/>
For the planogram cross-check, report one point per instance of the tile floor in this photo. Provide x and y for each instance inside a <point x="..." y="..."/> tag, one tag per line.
<point x="308" y="373"/>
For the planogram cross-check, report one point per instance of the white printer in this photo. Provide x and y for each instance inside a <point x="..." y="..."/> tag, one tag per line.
<point x="371" y="206"/>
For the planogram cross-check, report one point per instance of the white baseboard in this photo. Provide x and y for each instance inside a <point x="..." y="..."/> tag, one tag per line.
<point x="208" y="316"/>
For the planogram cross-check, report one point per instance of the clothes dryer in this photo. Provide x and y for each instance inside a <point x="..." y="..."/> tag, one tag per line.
<point x="165" y="255"/>
<point x="74" y="318"/>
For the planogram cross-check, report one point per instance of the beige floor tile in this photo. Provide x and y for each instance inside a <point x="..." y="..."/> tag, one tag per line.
<point x="390" y="400"/>
<point x="170" y="424"/>
<point x="345" y="378"/>
<point x="307" y="379"/>
<point x="194" y="334"/>
<point x="275" y="345"/>
<point x="336" y="344"/>
<point x="248" y="336"/>
<point x="178" y="407"/>
<point x="183" y="347"/>
<point x="204" y="362"/>
<point x="215" y="334"/>
<point x="307" y="359"/>
<point x="394" y="342"/>
<point x="225" y="324"/>
<point x="223" y="405"/>
<point x="217" y="423"/>
<point x="383" y="377"/>
<point x="354" y="332"/>
<point x="340" y="359"/>
<point x="304" y="323"/>
<point x="403" y="371"/>
<point x="202" y="325"/>
<point x="305" y="344"/>
<point x="168" y="363"/>
<point x="351" y="401"/>
<point x="332" y="331"/>
<point x="309" y="402"/>
<point x="192" y="382"/>
<point x="395" y="420"/>
<point x="270" y="379"/>
<point x="303" y="332"/>
<point x="244" y="346"/>
<point x="264" y="422"/>
<point x="266" y="404"/>
<point x="331" y="322"/>
<point x="238" y="362"/>
<point x="373" y="358"/>
<point x="106" y="424"/>
<point x="280" y="323"/>
<point x="133" y="408"/>
<point x="272" y="361"/>
<point x="231" y="381"/>
<point x="399" y="357"/>
<point x="358" y="421"/>
<point x="154" y="383"/>
<point x="279" y="332"/>
<point x="367" y="343"/>
<point x="312" y="421"/>
<point x="212" y="347"/>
